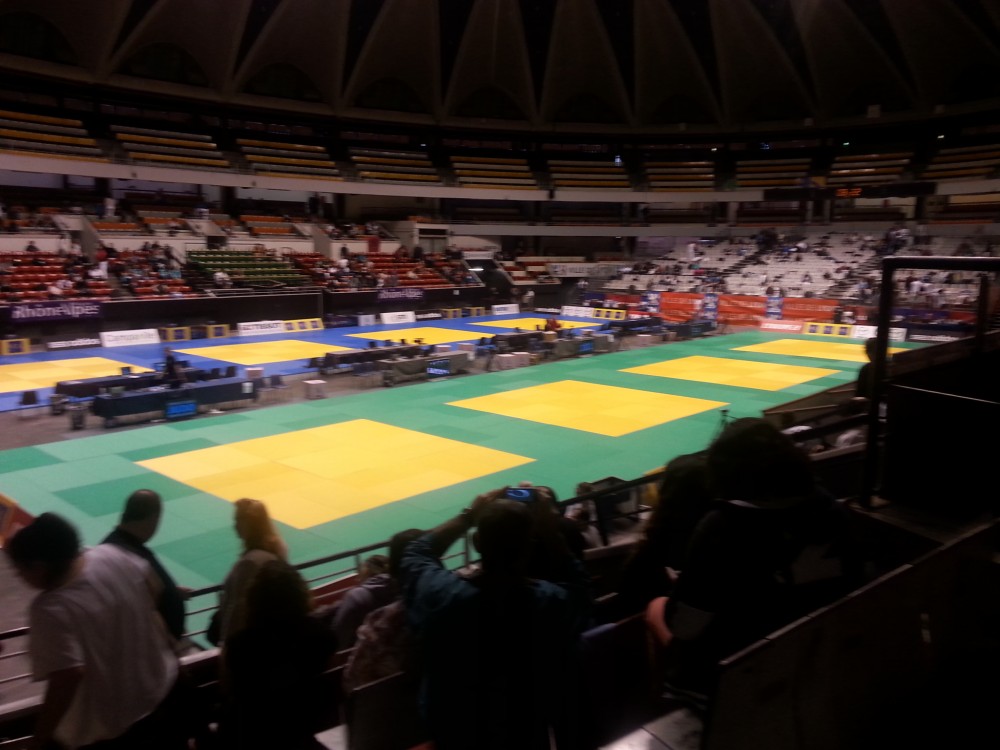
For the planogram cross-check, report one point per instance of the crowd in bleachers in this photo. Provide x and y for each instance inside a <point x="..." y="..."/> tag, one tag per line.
<point x="741" y="542"/>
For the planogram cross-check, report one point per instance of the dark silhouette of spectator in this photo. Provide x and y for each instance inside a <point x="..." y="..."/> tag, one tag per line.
<point x="384" y="642"/>
<point x="376" y="588"/>
<point x="261" y="544"/>
<point x="97" y="640"/>
<point x="772" y="549"/>
<point x="684" y="499"/>
<point x="139" y="521"/>
<point x="496" y="650"/>
<point x="273" y="667"/>
<point x="865" y="387"/>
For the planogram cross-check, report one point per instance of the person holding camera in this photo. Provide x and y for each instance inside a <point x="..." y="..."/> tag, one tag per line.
<point x="497" y="648"/>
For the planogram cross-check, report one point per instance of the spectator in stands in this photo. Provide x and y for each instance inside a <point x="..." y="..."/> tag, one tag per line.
<point x="96" y="639"/>
<point x="261" y="544"/>
<point x="772" y="549"/>
<point x="139" y="521"/>
<point x="374" y="589"/>
<point x="222" y="280"/>
<point x="684" y="499"/>
<point x="54" y="290"/>
<point x="273" y="667"/>
<point x="527" y="300"/>
<point x="31" y="247"/>
<point x="496" y="650"/>
<point x="383" y="643"/>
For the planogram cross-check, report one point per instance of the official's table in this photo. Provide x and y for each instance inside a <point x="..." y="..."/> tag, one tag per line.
<point x="416" y="368"/>
<point x="89" y="387"/>
<point x="152" y="402"/>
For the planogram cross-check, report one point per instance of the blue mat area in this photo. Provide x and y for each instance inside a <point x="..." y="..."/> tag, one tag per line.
<point x="147" y="355"/>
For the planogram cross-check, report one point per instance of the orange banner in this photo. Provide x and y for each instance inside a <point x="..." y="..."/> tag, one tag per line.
<point x="807" y="308"/>
<point x="737" y="310"/>
<point x="679" y="307"/>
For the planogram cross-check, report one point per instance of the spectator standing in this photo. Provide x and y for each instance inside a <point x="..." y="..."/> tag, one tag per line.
<point x="97" y="640"/>
<point x="273" y="668"/>
<point x="497" y="650"/>
<point x="261" y="544"/>
<point x="139" y="521"/>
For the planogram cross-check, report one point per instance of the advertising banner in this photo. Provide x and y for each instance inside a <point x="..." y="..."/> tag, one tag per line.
<point x="41" y="312"/>
<point x="650" y="302"/>
<point x="870" y="332"/>
<point x="132" y="338"/>
<point x="78" y="343"/>
<point x="577" y="311"/>
<point x="828" y="329"/>
<point x="739" y="310"/>
<point x="710" y="306"/>
<point x="401" y="294"/>
<point x="774" y="307"/>
<point x="680" y="307"/>
<point x="394" y="318"/>
<point x="260" y="327"/>
<point x="366" y="320"/>
<point x="809" y="308"/>
<point x="505" y="309"/>
<point x="781" y="326"/>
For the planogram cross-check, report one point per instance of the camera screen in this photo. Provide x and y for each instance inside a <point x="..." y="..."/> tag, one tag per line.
<point x="521" y="494"/>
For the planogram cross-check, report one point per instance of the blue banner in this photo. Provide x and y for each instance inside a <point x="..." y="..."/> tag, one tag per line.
<point x="775" y="307"/>
<point x="710" y="306"/>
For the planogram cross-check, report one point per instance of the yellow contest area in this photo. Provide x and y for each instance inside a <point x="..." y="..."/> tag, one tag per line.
<point x="531" y="324"/>
<point x="604" y="409"/>
<point x="264" y="351"/>
<point x="321" y="474"/>
<point x="814" y="349"/>
<point x="29" y="376"/>
<point x="759" y="375"/>
<point x="430" y="335"/>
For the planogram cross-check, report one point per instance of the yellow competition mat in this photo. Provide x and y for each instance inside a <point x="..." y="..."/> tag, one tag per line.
<point x="603" y="409"/>
<point x="762" y="376"/>
<point x="312" y="476"/>
<point x="263" y="352"/>
<point x="529" y="324"/>
<point x="430" y="335"/>
<point x="814" y="349"/>
<point x="28" y="376"/>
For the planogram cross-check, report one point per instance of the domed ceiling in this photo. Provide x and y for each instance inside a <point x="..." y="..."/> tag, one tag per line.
<point x="557" y="65"/>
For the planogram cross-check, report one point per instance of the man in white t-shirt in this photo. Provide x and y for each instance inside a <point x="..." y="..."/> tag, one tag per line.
<point x="98" y="641"/>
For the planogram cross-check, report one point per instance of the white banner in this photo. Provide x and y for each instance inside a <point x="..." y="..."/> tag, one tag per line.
<point x="505" y="309"/>
<point x="784" y="326"/>
<point x="870" y="332"/>
<point x="260" y="327"/>
<point x="577" y="311"/>
<point x="583" y="270"/>
<point x="130" y="338"/>
<point x="394" y="318"/>
<point x="366" y="320"/>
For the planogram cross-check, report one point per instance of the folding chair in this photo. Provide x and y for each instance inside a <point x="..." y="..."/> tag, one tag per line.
<point x="28" y="405"/>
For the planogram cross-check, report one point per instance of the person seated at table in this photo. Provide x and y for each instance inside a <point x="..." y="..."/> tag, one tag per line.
<point x="553" y="324"/>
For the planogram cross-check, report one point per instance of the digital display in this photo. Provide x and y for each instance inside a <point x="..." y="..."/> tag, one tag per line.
<point x="180" y="409"/>
<point x="438" y="367"/>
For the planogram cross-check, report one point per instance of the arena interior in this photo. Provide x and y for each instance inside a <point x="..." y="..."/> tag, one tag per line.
<point x="365" y="260"/>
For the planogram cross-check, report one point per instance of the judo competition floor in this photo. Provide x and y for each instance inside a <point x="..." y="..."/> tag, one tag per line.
<point x="340" y="473"/>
